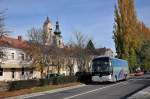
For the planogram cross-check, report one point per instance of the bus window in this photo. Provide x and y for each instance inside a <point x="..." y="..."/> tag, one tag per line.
<point x="101" y="65"/>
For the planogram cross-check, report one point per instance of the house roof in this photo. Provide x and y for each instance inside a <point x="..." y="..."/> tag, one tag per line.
<point x="14" y="42"/>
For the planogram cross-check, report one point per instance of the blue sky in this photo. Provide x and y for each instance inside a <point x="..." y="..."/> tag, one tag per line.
<point x="93" y="18"/>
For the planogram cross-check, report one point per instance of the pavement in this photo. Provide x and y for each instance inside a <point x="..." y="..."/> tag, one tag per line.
<point x="143" y="94"/>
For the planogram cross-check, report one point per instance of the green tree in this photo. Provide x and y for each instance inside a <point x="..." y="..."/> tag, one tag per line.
<point x="144" y="55"/>
<point x="90" y="47"/>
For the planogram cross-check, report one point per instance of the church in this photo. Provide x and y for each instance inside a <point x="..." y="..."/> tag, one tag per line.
<point x="53" y="36"/>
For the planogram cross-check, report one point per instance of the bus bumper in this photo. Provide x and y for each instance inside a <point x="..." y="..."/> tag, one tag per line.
<point x="102" y="79"/>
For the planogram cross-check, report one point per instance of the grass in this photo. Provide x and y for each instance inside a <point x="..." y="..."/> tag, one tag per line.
<point x="40" y="89"/>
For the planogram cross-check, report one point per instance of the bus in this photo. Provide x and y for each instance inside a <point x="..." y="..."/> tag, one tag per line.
<point x="109" y="69"/>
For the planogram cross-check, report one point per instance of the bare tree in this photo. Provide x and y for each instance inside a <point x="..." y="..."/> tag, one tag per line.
<point x="44" y="55"/>
<point x="37" y="48"/>
<point x="3" y="31"/>
<point x="80" y="53"/>
<point x="69" y="60"/>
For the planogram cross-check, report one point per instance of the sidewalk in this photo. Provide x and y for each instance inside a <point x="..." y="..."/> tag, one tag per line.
<point x="143" y="94"/>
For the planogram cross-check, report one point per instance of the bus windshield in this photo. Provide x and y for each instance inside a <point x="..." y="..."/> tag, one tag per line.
<point x="101" y="65"/>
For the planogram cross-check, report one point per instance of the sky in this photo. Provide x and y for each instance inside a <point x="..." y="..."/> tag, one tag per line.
<point x="93" y="18"/>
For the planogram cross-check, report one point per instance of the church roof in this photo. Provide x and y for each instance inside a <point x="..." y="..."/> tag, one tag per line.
<point x="47" y="21"/>
<point x="57" y="30"/>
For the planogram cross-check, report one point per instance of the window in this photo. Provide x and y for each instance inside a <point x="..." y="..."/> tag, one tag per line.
<point x="1" y="71"/>
<point x="12" y="55"/>
<point x="1" y="54"/>
<point x="31" y="72"/>
<point x="59" y="42"/>
<point x="22" y="71"/>
<point x="30" y="57"/>
<point x="22" y="56"/>
<point x="13" y="72"/>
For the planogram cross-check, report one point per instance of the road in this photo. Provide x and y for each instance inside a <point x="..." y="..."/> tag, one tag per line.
<point x="119" y="90"/>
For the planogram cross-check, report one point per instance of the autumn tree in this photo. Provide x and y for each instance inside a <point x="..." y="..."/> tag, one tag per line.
<point x="129" y="33"/>
<point x="125" y="32"/>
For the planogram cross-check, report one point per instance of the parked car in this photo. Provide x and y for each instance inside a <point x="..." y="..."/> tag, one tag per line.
<point x="53" y="75"/>
<point x="140" y="73"/>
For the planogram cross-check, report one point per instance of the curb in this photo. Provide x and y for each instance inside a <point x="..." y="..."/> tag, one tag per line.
<point x="142" y="94"/>
<point x="45" y="92"/>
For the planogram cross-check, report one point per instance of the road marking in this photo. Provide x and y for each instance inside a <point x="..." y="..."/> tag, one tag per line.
<point x="94" y="90"/>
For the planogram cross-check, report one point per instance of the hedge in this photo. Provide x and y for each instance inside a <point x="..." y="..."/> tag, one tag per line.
<point x="15" y="85"/>
<point x="63" y="80"/>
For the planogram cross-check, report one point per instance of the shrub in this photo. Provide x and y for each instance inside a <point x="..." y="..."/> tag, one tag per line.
<point x="14" y="85"/>
<point x="64" y="79"/>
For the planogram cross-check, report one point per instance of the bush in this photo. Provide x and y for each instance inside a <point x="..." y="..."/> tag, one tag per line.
<point x="43" y="82"/>
<point x="14" y="85"/>
<point x="64" y="79"/>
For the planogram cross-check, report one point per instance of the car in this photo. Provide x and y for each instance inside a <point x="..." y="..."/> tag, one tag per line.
<point x="52" y="75"/>
<point x="140" y="73"/>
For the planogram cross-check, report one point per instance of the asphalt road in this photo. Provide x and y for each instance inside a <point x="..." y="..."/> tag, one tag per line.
<point x="119" y="90"/>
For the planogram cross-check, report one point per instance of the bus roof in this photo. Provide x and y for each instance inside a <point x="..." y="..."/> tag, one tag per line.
<point x="98" y="57"/>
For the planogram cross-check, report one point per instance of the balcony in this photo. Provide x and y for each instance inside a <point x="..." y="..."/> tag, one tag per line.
<point x="16" y="64"/>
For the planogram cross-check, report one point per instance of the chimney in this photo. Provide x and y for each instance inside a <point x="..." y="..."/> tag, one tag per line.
<point x="19" y="38"/>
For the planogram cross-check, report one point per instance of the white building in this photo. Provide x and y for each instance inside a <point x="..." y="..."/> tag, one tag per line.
<point x="15" y="64"/>
<point x="105" y="52"/>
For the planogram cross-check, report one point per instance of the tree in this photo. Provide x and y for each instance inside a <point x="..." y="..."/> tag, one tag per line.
<point x="129" y="33"/>
<point x="3" y="31"/>
<point x="144" y="55"/>
<point x="126" y="37"/>
<point x="90" y="47"/>
<point x="80" y="53"/>
<point x="37" y="49"/>
<point x="44" y="55"/>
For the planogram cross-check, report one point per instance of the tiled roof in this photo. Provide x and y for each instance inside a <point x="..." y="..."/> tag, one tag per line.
<point x="14" y="42"/>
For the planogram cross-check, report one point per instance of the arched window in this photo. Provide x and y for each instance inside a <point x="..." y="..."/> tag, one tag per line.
<point x="59" y="42"/>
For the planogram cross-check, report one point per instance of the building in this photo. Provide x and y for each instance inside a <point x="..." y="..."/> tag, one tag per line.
<point x="15" y="64"/>
<point x="53" y="37"/>
<point x="105" y="52"/>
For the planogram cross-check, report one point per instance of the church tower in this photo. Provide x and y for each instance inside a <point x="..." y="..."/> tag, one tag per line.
<point x="48" y="33"/>
<point x="58" y="38"/>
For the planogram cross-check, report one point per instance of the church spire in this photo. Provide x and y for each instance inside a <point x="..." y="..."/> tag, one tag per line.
<point x="47" y="20"/>
<point x="57" y="30"/>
